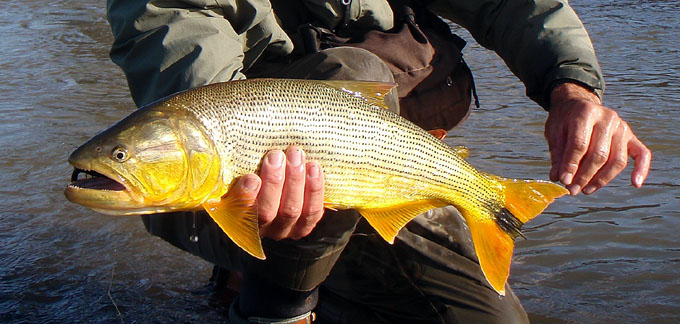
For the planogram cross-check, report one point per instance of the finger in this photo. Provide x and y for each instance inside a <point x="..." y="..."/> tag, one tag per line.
<point x="292" y="195"/>
<point x="617" y="161"/>
<point x="312" y="209"/>
<point x="272" y="174"/>
<point x="596" y="156"/>
<point x="643" y="160"/>
<point x="575" y="147"/>
<point x="556" y="147"/>
<point x="247" y="186"/>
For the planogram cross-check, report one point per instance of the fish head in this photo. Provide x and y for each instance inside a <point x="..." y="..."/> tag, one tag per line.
<point x="153" y="161"/>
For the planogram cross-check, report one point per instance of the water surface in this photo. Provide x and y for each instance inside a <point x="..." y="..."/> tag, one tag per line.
<point x="611" y="256"/>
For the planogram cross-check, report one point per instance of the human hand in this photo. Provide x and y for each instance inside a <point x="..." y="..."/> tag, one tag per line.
<point x="589" y="143"/>
<point x="289" y="194"/>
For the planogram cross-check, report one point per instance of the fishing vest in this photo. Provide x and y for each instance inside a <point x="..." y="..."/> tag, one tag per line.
<point x="434" y="84"/>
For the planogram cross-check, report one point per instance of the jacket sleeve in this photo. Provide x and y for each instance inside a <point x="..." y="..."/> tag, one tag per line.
<point x="543" y="42"/>
<point x="165" y="46"/>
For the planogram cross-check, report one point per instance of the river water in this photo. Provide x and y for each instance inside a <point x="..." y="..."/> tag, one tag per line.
<point x="611" y="256"/>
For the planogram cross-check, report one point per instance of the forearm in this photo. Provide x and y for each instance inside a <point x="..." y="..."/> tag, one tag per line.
<point x="543" y="42"/>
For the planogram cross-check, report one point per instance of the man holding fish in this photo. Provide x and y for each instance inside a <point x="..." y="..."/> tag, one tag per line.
<point x="432" y="272"/>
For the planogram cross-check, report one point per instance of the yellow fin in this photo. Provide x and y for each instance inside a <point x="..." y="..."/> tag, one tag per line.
<point x="526" y="199"/>
<point x="389" y="221"/>
<point x="494" y="232"/>
<point x="237" y="217"/>
<point x="373" y="92"/>
<point x="494" y="250"/>
<point x="462" y="151"/>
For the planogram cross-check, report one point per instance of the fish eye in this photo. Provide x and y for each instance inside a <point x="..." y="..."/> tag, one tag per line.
<point x="120" y="154"/>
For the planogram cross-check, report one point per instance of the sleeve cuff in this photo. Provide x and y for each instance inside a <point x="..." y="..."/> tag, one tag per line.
<point x="590" y="79"/>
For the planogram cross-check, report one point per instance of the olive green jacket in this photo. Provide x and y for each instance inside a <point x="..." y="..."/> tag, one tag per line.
<point x="165" y="46"/>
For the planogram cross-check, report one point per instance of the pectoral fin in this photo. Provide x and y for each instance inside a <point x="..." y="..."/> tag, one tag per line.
<point x="390" y="220"/>
<point x="237" y="217"/>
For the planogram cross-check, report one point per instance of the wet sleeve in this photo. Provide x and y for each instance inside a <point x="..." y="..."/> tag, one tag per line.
<point x="164" y="46"/>
<point x="543" y="42"/>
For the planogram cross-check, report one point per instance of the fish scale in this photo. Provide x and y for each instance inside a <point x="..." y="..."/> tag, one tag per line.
<point x="184" y="153"/>
<point x="338" y="130"/>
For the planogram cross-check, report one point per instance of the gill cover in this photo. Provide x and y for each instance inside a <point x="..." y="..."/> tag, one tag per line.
<point x="161" y="155"/>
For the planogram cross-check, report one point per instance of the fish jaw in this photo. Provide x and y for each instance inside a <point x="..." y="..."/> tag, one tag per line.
<point x="100" y="190"/>
<point x="109" y="202"/>
<point x="115" y="202"/>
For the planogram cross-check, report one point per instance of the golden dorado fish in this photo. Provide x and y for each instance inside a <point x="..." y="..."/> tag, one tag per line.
<point x="185" y="152"/>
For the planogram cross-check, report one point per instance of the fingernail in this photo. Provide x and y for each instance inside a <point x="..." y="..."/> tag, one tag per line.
<point x="574" y="190"/>
<point x="295" y="157"/>
<point x="250" y="183"/>
<point x="567" y="178"/>
<point x="638" y="181"/>
<point x="275" y="158"/>
<point x="313" y="171"/>
<point x="589" y="189"/>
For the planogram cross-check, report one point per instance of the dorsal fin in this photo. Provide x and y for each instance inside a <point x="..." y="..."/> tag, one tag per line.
<point x="373" y="92"/>
<point x="462" y="151"/>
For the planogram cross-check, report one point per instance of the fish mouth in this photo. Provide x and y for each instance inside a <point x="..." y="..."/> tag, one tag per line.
<point x="93" y="180"/>
<point x="100" y="192"/>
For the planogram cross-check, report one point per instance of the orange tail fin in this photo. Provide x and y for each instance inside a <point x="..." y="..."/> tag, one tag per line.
<point x="494" y="232"/>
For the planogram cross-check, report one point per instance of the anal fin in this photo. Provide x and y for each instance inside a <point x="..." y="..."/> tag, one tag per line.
<point x="237" y="217"/>
<point x="389" y="221"/>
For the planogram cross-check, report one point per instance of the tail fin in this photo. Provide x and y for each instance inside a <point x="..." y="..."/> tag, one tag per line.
<point x="526" y="199"/>
<point x="494" y="234"/>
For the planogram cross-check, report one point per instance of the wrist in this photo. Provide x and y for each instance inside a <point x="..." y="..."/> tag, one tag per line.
<point x="572" y="91"/>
